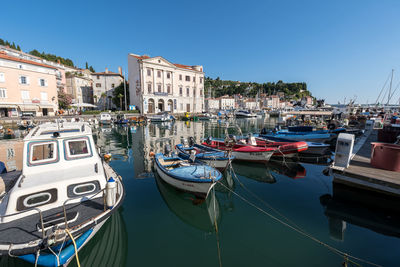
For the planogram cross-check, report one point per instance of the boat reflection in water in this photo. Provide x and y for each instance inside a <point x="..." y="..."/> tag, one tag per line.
<point x="108" y="247"/>
<point x="199" y="213"/>
<point x="365" y="209"/>
<point x="266" y="172"/>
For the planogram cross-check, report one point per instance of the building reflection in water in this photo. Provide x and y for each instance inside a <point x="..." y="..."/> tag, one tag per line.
<point x="379" y="213"/>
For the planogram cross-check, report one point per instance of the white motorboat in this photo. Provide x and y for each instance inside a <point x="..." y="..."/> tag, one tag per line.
<point x="161" y="117"/>
<point x="244" y="114"/>
<point x="105" y="118"/>
<point x="64" y="192"/>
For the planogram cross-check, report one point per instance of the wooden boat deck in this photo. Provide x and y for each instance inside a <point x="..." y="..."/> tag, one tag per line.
<point x="361" y="174"/>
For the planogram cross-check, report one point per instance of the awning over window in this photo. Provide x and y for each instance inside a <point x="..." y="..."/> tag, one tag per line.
<point x="48" y="106"/>
<point x="28" y="107"/>
<point x="5" y="105"/>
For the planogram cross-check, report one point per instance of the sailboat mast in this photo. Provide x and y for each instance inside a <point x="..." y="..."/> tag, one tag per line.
<point x="390" y="88"/>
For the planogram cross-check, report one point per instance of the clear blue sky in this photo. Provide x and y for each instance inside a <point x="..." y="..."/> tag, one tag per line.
<point x="340" y="48"/>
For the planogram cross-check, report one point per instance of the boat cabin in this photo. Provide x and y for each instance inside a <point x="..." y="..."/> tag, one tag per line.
<point x="60" y="163"/>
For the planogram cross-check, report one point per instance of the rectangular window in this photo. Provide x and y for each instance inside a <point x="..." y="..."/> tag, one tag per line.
<point x="180" y="91"/>
<point x="98" y="84"/>
<point x="169" y="89"/>
<point x="201" y="79"/>
<point x="77" y="148"/>
<point x="168" y="75"/>
<point x="194" y="92"/>
<point x="43" y="152"/>
<point x="98" y="77"/>
<point x="159" y="88"/>
<point x="201" y="92"/>
<point x="148" y="72"/>
<point x="149" y="88"/>
<point x="42" y="82"/>
<point x="2" y="77"/>
<point x="25" y="95"/>
<point x="194" y="78"/>
<point x="23" y="80"/>
<point x="187" y="91"/>
<point x="159" y="74"/>
<point x="3" y="93"/>
<point x="112" y="85"/>
<point x="187" y="78"/>
<point x="43" y="96"/>
<point x="180" y="77"/>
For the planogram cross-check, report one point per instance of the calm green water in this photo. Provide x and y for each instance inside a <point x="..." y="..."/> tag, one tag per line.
<point x="160" y="226"/>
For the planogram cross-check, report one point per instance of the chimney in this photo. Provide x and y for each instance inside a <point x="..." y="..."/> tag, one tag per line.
<point x="120" y="71"/>
<point x="106" y="70"/>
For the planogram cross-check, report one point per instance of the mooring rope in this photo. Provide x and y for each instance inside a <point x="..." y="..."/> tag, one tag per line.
<point x="302" y="232"/>
<point x="76" y="249"/>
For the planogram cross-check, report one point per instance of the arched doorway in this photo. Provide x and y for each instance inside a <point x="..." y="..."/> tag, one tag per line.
<point x="170" y="105"/>
<point x="150" y="108"/>
<point x="160" y="105"/>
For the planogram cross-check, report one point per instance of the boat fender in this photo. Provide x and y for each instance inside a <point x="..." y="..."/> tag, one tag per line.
<point x="191" y="141"/>
<point x="107" y="156"/>
<point x="111" y="192"/>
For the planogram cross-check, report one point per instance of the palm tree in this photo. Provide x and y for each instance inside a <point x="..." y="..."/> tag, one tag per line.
<point x="120" y="96"/>
<point x="104" y="96"/>
<point x="109" y="101"/>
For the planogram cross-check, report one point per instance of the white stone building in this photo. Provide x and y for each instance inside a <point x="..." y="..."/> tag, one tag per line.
<point x="251" y="104"/>
<point x="79" y="85"/>
<point x="226" y="102"/>
<point x="156" y="85"/>
<point x="211" y="104"/>
<point x="105" y="82"/>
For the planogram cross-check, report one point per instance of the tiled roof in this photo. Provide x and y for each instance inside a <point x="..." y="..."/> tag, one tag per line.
<point x="106" y="73"/>
<point x="4" y="55"/>
<point x="175" y="64"/>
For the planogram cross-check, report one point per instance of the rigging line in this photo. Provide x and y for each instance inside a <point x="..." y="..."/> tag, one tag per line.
<point x="335" y="250"/>
<point x="216" y="230"/>
<point x="376" y="102"/>
<point x="261" y="200"/>
<point x="394" y="91"/>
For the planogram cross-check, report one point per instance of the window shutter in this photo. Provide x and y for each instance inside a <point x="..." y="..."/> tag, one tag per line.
<point x="20" y="80"/>
<point x="27" y="80"/>
<point x="45" y="82"/>
<point x="39" y="81"/>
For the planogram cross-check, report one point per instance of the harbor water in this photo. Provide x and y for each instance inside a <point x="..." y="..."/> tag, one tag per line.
<point x="284" y="213"/>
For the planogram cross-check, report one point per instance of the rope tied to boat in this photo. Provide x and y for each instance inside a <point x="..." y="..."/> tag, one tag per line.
<point x="76" y="249"/>
<point x="302" y="232"/>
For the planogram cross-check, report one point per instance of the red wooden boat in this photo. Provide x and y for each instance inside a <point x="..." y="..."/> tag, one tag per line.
<point x="287" y="149"/>
<point x="242" y="151"/>
<point x="252" y="149"/>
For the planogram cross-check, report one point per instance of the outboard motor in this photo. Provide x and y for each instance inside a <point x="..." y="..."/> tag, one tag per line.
<point x="191" y="141"/>
<point x="184" y="142"/>
<point x="167" y="150"/>
<point x="209" y="140"/>
<point x="263" y="131"/>
<point x="192" y="156"/>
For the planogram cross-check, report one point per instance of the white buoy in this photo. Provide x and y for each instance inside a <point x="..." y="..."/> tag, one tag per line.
<point x="111" y="192"/>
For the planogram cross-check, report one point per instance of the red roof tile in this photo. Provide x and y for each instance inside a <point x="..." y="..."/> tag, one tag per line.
<point x="4" y="55"/>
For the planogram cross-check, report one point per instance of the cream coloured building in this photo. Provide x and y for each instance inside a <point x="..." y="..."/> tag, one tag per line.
<point x="26" y="87"/>
<point x="157" y="85"/>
